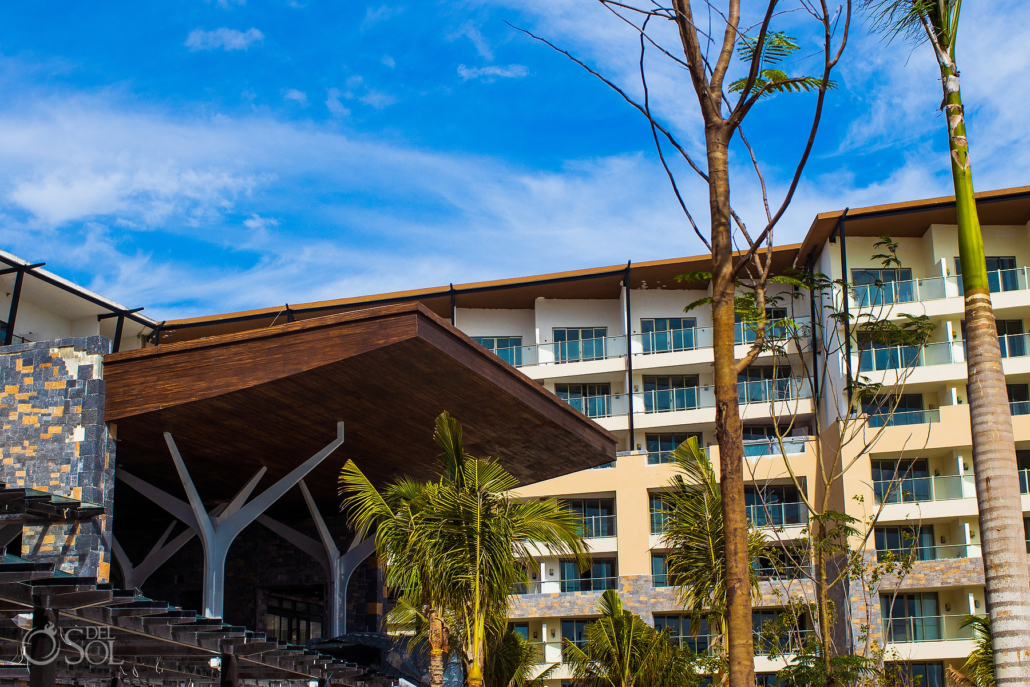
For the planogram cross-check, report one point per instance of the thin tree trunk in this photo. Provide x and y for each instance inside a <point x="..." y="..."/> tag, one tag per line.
<point x="822" y="599"/>
<point x="727" y="420"/>
<point x="1007" y="582"/>
<point x="437" y="651"/>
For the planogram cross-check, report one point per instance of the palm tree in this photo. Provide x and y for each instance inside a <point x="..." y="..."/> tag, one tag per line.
<point x="979" y="665"/>
<point x="512" y="661"/>
<point x="1007" y="581"/>
<point x="623" y="651"/>
<point x="696" y="537"/>
<point x="456" y="547"/>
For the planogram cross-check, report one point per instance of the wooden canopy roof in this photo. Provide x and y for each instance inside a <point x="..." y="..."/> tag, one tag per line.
<point x="273" y="397"/>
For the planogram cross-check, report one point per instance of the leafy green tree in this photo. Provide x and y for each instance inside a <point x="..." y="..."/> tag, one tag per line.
<point x="623" y="651"/>
<point x="979" y="665"/>
<point x="456" y="548"/>
<point x="513" y="662"/>
<point x="1007" y="581"/>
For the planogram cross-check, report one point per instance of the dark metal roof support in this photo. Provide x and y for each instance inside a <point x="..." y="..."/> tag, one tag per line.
<point x="629" y="358"/>
<point x="118" y="334"/>
<point x="814" y="324"/>
<point x="454" y="308"/>
<point x="12" y="314"/>
<point x="846" y="296"/>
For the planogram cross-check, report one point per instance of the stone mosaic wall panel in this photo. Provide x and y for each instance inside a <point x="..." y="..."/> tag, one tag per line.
<point x="55" y="440"/>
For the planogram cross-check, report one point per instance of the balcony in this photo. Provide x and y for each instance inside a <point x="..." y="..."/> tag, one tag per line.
<point x="933" y="288"/>
<point x="918" y="489"/>
<point x="756" y="391"/>
<point x="926" y="553"/>
<point x="609" y="405"/>
<point x="791" y="642"/>
<point x="1014" y="345"/>
<point x="589" y="584"/>
<point x="908" y="417"/>
<point x="902" y="357"/>
<point x="777" y="514"/>
<point x="935" y="628"/>
<point x="597" y="526"/>
<point x="694" y="338"/>
<point x="771" y="447"/>
<point x="563" y="352"/>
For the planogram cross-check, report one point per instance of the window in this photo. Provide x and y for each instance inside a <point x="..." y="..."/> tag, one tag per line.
<point x="908" y="411"/>
<point x="676" y="392"/>
<point x="680" y="634"/>
<point x="659" y="570"/>
<point x="905" y="541"/>
<point x="1023" y="464"/>
<point x="661" y="446"/>
<point x="775" y="505"/>
<point x="575" y="344"/>
<point x="1010" y="336"/>
<point x="597" y="578"/>
<point x="916" y="674"/>
<point x="897" y="481"/>
<point x="767" y="680"/>
<point x="911" y="617"/>
<point x="508" y="348"/>
<point x="780" y="563"/>
<point x="772" y="629"/>
<point x="876" y="355"/>
<point x="575" y="632"/>
<point x="665" y="334"/>
<point x="764" y="383"/>
<point x="598" y="516"/>
<point x="883" y="286"/>
<point x="1001" y="273"/>
<point x="747" y="332"/>
<point x="294" y="616"/>
<point x="593" y="400"/>
<point x="1026" y="533"/>
<point x="522" y="629"/>
<point x="659" y="514"/>
<point x="1019" y="398"/>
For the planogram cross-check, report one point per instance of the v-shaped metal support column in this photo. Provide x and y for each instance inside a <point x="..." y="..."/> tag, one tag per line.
<point x="338" y="567"/>
<point x="217" y="532"/>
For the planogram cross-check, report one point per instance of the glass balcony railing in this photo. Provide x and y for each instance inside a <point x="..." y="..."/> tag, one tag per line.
<point x="908" y="417"/>
<point x="789" y="571"/>
<point x="687" y="398"/>
<point x="935" y="628"/>
<point x="660" y="581"/>
<point x="777" y="514"/>
<point x="902" y="357"/>
<point x="916" y="489"/>
<point x="595" y="526"/>
<point x="767" y="390"/>
<point x="926" y="553"/>
<point x="609" y="405"/>
<point x="589" y="584"/>
<point x="563" y="352"/>
<point x="1015" y="345"/>
<point x="527" y="588"/>
<point x="791" y="642"/>
<point x="1019" y="407"/>
<point x="1024" y="481"/>
<point x="776" y="330"/>
<point x="771" y="447"/>
<point x="933" y="288"/>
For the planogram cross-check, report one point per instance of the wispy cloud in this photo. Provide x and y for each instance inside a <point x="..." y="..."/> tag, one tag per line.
<point x="226" y="39"/>
<point x="388" y="61"/>
<point x="512" y="71"/>
<point x="296" y="96"/>
<point x="332" y="102"/>
<point x="469" y="30"/>
<point x="374" y="15"/>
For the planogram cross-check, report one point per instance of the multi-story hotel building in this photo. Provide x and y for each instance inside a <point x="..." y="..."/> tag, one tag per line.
<point x="616" y="345"/>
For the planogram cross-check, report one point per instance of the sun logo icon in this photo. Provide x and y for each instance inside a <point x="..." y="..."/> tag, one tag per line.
<point x="45" y="634"/>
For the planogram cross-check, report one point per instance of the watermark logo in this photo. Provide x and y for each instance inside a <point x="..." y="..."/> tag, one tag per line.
<point x="82" y="645"/>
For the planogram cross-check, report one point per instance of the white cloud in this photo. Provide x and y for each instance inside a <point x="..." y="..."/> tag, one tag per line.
<point x="229" y="4"/>
<point x="296" y="96"/>
<point x="382" y="13"/>
<point x="512" y="71"/>
<point x="468" y="30"/>
<point x="388" y="61"/>
<point x="377" y="99"/>
<point x="226" y="39"/>
<point x="332" y="102"/>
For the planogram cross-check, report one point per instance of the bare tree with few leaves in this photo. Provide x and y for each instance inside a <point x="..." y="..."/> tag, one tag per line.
<point x="708" y="43"/>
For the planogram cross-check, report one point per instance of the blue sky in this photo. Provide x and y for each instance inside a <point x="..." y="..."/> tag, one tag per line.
<point x="209" y="156"/>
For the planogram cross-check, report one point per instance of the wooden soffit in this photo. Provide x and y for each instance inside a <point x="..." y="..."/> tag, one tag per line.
<point x="272" y="398"/>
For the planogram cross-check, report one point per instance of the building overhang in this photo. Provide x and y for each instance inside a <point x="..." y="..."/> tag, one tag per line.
<point x="271" y="397"/>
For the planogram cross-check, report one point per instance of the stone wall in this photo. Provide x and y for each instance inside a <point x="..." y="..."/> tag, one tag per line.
<point x="55" y="440"/>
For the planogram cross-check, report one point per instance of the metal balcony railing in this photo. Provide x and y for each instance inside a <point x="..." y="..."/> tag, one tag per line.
<point x="927" y="553"/>
<point x="754" y="448"/>
<point x="934" y="628"/>
<point x="907" y="417"/>
<point x="777" y="514"/>
<point x="589" y="584"/>
<point x="563" y="351"/>
<point x="596" y="526"/>
<point x="933" y="288"/>
<point x="915" y="489"/>
<point x="609" y="405"/>
<point x="693" y="338"/>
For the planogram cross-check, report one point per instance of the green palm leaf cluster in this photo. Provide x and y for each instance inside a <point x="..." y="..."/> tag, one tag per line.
<point x="623" y="651"/>
<point x="695" y="535"/>
<point x="979" y="665"/>
<point x="776" y="47"/>
<point x="458" y="546"/>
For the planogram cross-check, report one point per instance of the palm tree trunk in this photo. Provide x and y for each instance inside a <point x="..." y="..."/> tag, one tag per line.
<point x="728" y="430"/>
<point x="1007" y="582"/>
<point x="437" y="649"/>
